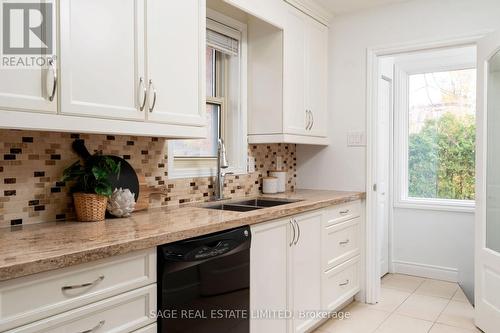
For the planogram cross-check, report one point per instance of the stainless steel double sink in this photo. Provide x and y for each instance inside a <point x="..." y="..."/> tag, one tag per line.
<point x="250" y="204"/>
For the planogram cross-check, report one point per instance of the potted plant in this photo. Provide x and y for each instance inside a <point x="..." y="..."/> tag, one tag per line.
<point x="92" y="188"/>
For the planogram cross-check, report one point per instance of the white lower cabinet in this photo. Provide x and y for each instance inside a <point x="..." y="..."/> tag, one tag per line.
<point x="297" y="272"/>
<point x="339" y="284"/>
<point x="119" y="314"/>
<point x="305" y="271"/>
<point x="116" y="294"/>
<point x="268" y="276"/>
<point x="153" y="328"/>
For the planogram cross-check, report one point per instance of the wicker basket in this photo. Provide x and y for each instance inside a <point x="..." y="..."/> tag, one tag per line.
<point x="90" y="207"/>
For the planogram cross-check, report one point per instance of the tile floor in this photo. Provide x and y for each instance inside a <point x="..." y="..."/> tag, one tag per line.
<point x="409" y="304"/>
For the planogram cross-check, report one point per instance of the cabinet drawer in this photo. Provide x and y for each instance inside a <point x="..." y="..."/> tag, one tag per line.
<point x="342" y="212"/>
<point x="340" y="242"/>
<point x="148" y="329"/>
<point x="42" y="295"/>
<point x="340" y="284"/>
<point x="123" y="313"/>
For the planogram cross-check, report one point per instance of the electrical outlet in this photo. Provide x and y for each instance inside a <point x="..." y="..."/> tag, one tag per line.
<point x="356" y="139"/>
<point x="251" y="164"/>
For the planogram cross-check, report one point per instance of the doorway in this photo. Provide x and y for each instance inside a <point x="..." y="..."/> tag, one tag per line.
<point x="419" y="224"/>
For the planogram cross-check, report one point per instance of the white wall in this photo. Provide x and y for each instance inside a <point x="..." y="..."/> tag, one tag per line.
<point x="340" y="167"/>
<point x="435" y="243"/>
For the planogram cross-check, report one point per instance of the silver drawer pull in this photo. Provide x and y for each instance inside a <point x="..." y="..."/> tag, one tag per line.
<point x="95" y="328"/>
<point x="344" y="242"/>
<point x="343" y="212"/>
<point x="344" y="283"/>
<point x="83" y="285"/>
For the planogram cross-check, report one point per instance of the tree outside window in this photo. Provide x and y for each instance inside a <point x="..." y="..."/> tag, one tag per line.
<point x="441" y="135"/>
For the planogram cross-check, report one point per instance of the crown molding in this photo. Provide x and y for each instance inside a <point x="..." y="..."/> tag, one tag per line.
<point x="313" y="9"/>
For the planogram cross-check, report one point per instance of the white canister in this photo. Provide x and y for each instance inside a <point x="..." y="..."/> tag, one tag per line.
<point x="281" y="175"/>
<point x="269" y="185"/>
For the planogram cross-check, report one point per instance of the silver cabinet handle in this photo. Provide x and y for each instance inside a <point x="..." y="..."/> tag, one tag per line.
<point x="293" y="228"/>
<point x="344" y="283"/>
<point x="298" y="232"/>
<point x="312" y="120"/>
<point x="344" y="242"/>
<point x="83" y="285"/>
<point x="145" y="93"/>
<point x="151" y="86"/>
<point x="343" y="212"/>
<point x="95" y="328"/>
<point x="53" y="67"/>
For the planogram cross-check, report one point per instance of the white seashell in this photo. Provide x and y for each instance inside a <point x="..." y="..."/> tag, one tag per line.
<point x="121" y="203"/>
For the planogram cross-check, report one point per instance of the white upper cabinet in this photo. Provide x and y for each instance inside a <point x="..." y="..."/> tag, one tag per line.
<point x="316" y="66"/>
<point x="102" y="58"/>
<point x="176" y="39"/>
<point x="294" y="72"/>
<point x="302" y="88"/>
<point x="34" y="90"/>
<point x="131" y="67"/>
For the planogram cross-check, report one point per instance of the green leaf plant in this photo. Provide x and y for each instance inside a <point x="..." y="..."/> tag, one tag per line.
<point x="93" y="175"/>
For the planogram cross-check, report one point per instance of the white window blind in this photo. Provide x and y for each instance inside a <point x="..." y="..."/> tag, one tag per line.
<point x="222" y="42"/>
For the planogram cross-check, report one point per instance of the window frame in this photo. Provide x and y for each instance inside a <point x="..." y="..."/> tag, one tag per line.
<point x="236" y="140"/>
<point x="402" y="70"/>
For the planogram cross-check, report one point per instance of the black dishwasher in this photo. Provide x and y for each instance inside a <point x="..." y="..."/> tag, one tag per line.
<point x="204" y="284"/>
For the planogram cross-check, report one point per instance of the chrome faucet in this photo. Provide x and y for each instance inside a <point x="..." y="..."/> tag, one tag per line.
<point x="222" y="164"/>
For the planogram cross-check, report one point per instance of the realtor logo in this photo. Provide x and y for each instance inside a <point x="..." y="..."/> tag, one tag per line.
<point x="27" y="28"/>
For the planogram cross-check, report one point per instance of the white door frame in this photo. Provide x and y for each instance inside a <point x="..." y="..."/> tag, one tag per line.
<point x="372" y="76"/>
<point x="389" y="181"/>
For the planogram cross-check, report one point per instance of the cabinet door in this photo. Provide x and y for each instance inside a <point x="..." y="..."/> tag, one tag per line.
<point x="305" y="271"/>
<point x="30" y="89"/>
<point x="268" y="275"/>
<point x="176" y="39"/>
<point x="102" y="58"/>
<point x="294" y="76"/>
<point x="316" y="76"/>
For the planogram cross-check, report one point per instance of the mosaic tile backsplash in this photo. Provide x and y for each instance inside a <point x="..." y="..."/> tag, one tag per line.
<point x="31" y="165"/>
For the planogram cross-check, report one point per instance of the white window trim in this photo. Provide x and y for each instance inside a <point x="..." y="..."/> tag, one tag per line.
<point x="402" y="70"/>
<point x="239" y="140"/>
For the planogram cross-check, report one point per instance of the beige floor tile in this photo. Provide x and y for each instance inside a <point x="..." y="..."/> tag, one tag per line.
<point x="390" y="299"/>
<point x="398" y="324"/>
<point x="460" y="296"/>
<point x="402" y="282"/>
<point x="458" y="314"/>
<point x="437" y="288"/>
<point x="423" y="307"/>
<point x="440" y="328"/>
<point x="361" y="320"/>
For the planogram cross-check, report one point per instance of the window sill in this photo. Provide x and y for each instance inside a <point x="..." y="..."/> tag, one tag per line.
<point x="437" y="205"/>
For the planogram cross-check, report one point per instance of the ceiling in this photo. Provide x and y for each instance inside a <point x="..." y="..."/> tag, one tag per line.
<point x="338" y="7"/>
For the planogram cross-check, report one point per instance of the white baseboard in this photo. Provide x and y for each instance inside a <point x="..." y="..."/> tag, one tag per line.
<point x="427" y="271"/>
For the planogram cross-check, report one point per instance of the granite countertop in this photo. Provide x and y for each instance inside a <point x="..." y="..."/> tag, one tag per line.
<point x="36" y="248"/>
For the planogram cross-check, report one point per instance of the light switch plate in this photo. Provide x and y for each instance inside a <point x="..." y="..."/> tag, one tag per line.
<point x="356" y="139"/>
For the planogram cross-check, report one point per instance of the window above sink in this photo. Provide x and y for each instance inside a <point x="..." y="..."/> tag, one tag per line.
<point x="225" y="88"/>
